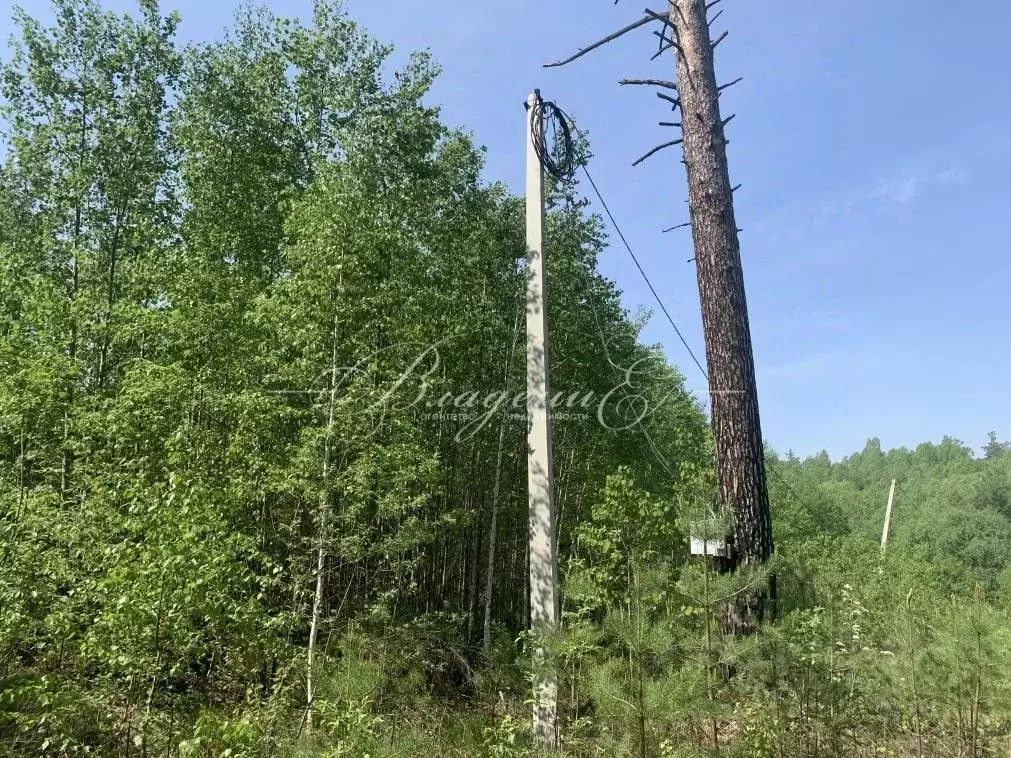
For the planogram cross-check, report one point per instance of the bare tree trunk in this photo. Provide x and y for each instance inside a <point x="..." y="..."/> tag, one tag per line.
<point x="737" y="433"/>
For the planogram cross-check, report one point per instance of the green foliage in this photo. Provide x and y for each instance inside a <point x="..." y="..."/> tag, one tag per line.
<point x="627" y="526"/>
<point x="217" y="263"/>
<point x="505" y="739"/>
<point x="351" y="728"/>
<point x="254" y="296"/>
<point x="237" y="737"/>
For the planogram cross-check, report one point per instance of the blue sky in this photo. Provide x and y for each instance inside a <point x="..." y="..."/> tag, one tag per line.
<point x="873" y="143"/>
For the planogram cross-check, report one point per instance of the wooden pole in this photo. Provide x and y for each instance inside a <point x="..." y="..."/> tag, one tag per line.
<point x="543" y="559"/>
<point x="888" y="517"/>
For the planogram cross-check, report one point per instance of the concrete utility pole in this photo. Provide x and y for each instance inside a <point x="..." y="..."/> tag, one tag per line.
<point x="543" y="558"/>
<point x="888" y="517"/>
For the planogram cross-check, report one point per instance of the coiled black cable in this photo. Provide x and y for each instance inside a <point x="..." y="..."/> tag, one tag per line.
<point x="557" y="154"/>
<point x="559" y="159"/>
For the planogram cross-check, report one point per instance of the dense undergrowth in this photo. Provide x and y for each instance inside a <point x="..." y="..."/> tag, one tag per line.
<point x="262" y="481"/>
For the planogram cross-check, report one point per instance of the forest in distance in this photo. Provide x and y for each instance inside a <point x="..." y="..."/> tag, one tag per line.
<point x="228" y="527"/>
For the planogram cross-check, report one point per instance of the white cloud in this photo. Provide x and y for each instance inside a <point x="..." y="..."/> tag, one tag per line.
<point x="903" y="189"/>
<point x="952" y="175"/>
<point x="897" y="191"/>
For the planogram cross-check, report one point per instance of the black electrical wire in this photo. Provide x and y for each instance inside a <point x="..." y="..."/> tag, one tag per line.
<point x="649" y="284"/>
<point x="557" y="154"/>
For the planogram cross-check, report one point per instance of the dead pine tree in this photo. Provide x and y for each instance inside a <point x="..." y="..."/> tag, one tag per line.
<point x="684" y="32"/>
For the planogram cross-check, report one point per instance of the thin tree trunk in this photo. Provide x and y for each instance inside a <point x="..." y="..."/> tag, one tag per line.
<point x="737" y="433"/>
<point x="317" y="605"/>
<point x="67" y="464"/>
<point x="324" y="513"/>
<point x="103" y="356"/>
<point x="489" y="585"/>
<point x="473" y="577"/>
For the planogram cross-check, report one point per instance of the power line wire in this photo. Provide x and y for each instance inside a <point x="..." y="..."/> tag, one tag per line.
<point x="786" y="484"/>
<point x="559" y="159"/>
<point x="661" y="459"/>
<point x="652" y="289"/>
<point x="649" y="284"/>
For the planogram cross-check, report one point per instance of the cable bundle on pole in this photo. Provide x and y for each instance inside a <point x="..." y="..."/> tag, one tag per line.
<point x="557" y="152"/>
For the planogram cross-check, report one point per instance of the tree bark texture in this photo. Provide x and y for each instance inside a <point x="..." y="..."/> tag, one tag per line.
<point x="737" y="432"/>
